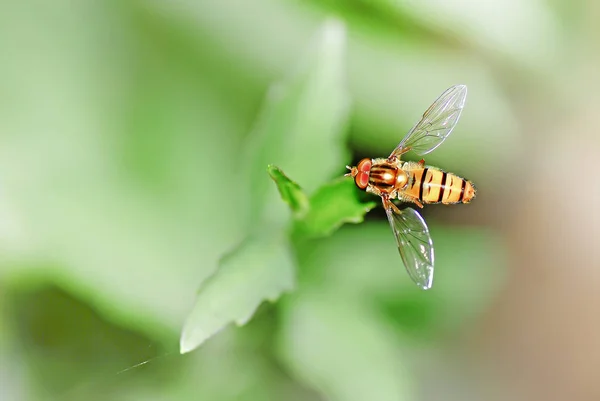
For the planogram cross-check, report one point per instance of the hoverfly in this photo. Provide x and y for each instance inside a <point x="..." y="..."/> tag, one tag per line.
<point x="414" y="182"/>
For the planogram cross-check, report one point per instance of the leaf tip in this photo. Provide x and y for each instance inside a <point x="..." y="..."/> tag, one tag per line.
<point x="190" y="340"/>
<point x="272" y="170"/>
<point x="290" y="191"/>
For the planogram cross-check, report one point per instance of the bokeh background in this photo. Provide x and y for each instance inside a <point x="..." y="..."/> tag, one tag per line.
<point x="121" y="129"/>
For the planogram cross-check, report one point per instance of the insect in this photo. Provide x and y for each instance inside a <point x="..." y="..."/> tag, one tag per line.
<point x="414" y="182"/>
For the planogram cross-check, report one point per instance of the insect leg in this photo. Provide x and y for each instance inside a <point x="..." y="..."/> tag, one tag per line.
<point x="374" y="190"/>
<point x="395" y="208"/>
<point x="405" y="198"/>
<point x="388" y="204"/>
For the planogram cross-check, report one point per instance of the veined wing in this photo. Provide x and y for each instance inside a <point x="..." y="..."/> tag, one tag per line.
<point x="436" y="124"/>
<point x="414" y="244"/>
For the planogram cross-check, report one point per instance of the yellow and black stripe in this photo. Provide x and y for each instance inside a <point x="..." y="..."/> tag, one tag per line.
<point x="432" y="185"/>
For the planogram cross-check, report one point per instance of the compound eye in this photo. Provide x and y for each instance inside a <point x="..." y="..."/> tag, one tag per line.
<point x="362" y="180"/>
<point x="364" y="165"/>
<point x="362" y="177"/>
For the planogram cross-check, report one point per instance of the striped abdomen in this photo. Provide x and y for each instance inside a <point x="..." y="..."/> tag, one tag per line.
<point x="432" y="185"/>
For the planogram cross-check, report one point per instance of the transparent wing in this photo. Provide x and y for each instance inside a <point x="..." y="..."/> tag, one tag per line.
<point x="414" y="243"/>
<point x="436" y="124"/>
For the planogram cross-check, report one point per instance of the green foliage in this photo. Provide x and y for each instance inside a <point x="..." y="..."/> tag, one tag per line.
<point x="331" y="206"/>
<point x="301" y="124"/>
<point x="303" y="117"/>
<point x="130" y="167"/>
<point x="290" y="192"/>
<point x="261" y="268"/>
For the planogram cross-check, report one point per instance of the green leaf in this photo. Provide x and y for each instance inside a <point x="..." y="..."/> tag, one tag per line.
<point x="261" y="268"/>
<point x="331" y="206"/>
<point x="290" y="192"/>
<point x="301" y="124"/>
<point x="342" y="348"/>
<point x="300" y="127"/>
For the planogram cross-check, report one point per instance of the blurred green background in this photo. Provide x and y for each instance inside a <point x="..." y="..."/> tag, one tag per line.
<point x="124" y="161"/>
